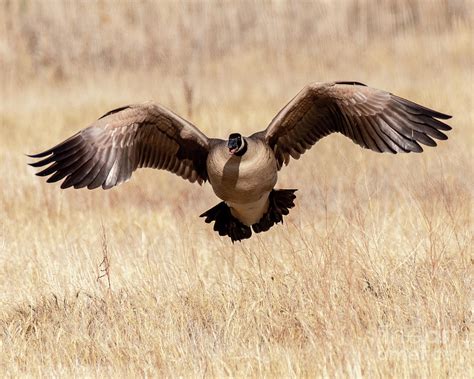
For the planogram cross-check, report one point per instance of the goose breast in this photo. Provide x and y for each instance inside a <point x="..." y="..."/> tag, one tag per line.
<point x="242" y="179"/>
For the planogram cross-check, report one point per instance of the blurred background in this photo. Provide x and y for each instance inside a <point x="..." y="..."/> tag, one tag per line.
<point x="373" y="261"/>
<point x="192" y="53"/>
<point x="59" y="40"/>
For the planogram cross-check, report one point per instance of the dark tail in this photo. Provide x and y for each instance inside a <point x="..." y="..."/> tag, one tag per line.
<point x="280" y="202"/>
<point x="226" y="224"/>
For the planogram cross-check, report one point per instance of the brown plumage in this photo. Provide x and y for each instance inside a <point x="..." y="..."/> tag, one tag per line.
<point x="241" y="170"/>
<point x="108" y="151"/>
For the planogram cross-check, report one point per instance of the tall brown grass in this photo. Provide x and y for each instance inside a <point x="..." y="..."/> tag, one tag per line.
<point x="371" y="274"/>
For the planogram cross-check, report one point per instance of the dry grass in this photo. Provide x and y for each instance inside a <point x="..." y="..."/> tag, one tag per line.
<point x="371" y="275"/>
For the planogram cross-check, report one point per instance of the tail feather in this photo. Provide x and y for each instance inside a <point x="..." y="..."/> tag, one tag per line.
<point x="280" y="203"/>
<point x="226" y="224"/>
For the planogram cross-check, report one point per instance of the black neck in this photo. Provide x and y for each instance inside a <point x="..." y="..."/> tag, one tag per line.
<point x="243" y="150"/>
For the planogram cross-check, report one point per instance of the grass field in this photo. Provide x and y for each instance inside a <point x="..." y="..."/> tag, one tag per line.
<point x="371" y="274"/>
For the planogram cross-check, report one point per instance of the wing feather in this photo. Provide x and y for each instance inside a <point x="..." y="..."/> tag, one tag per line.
<point x="107" y="152"/>
<point x="372" y="118"/>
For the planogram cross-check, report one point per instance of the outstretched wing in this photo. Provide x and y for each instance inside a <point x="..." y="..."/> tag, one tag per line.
<point x="372" y="118"/>
<point x="108" y="151"/>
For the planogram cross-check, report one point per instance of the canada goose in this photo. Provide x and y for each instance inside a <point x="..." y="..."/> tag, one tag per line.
<point x="241" y="170"/>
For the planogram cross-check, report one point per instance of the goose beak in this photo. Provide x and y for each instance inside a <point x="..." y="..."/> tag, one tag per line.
<point x="233" y="147"/>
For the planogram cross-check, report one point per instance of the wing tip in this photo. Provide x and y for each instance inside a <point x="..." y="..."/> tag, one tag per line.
<point x="35" y="164"/>
<point x="52" y="179"/>
<point x="422" y="109"/>
<point x="65" y="185"/>
<point x="39" y="155"/>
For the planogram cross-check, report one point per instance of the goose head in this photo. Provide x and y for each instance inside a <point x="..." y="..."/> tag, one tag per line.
<point x="236" y="144"/>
